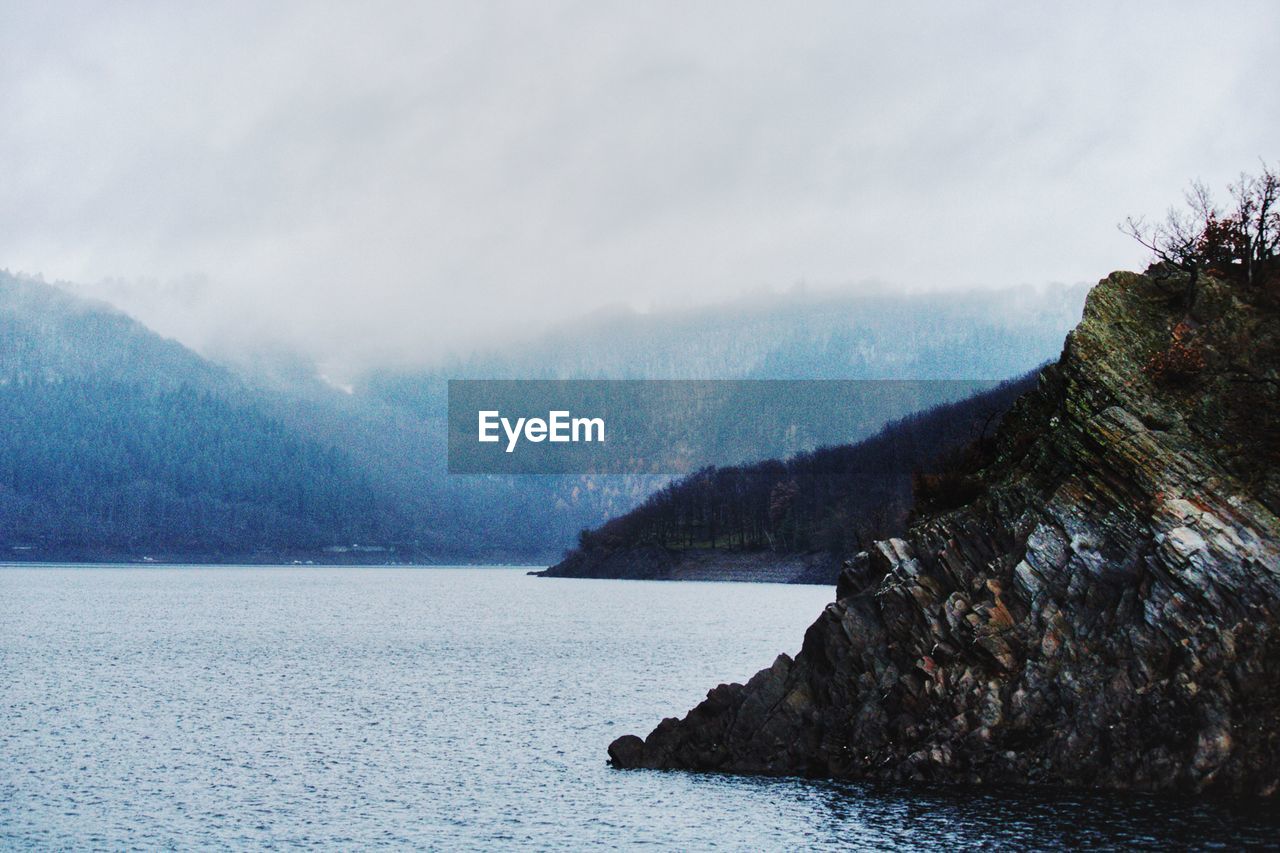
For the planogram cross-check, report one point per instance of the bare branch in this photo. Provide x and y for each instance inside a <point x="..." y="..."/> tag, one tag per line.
<point x="1242" y="241"/>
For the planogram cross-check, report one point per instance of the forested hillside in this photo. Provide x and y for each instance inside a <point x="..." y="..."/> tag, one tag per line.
<point x="830" y="501"/>
<point x="120" y="444"/>
<point x="47" y="334"/>
<point x="101" y="468"/>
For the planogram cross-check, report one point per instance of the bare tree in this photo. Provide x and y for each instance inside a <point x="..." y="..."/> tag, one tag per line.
<point x="1176" y="240"/>
<point x="1242" y="242"/>
<point x="1257" y="217"/>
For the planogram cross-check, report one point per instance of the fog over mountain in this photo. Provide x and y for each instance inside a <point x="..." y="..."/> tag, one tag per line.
<point x="111" y="423"/>
<point x="384" y="184"/>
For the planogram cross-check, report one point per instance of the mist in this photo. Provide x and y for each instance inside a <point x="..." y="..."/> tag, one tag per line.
<point x="389" y="184"/>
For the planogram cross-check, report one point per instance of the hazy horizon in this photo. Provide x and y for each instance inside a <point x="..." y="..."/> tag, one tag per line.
<point x="603" y="341"/>
<point x="398" y="182"/>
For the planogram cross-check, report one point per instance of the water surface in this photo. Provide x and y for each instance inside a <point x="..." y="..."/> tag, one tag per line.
<point x="451" y="708"/>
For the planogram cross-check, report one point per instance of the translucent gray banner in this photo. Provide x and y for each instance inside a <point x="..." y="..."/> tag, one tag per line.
<point x="672" y="427"/>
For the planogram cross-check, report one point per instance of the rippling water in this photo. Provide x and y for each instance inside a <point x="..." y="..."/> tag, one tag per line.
<point x="356" y="708"/>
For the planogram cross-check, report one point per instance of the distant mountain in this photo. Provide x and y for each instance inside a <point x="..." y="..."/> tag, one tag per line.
<point x="119" y="444"/>
<point x="50" y="335"/>
<point x="978" y="334"/>
<point x="995" y="334"/>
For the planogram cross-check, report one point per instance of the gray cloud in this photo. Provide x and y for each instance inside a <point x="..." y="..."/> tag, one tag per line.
<point x="386" y="182"/>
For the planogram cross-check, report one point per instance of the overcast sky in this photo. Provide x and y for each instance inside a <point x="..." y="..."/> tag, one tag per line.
<point x="381" y="181"/>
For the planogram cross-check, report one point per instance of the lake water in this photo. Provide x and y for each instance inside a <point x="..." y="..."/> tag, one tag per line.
<point x="447" y="708"/>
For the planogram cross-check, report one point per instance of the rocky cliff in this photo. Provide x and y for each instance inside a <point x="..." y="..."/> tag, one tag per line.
<point x="1103" y="613"/>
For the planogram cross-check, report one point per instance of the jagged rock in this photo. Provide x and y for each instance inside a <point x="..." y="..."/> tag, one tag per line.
<point x="1104" y="613"/>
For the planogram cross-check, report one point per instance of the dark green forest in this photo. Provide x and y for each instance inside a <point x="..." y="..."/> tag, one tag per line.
<point x="98" y="466"/>
<point x="834" y="499"/>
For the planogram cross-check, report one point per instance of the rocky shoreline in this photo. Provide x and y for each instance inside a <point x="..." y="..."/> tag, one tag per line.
<point x="699" y="565"/>
<point x="1104" y="613"/>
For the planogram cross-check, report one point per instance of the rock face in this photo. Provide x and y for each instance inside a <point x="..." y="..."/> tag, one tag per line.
<point x="1106" y="612"/>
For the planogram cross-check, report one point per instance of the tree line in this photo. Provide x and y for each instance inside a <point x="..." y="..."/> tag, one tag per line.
<point x="833" y="499"/>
